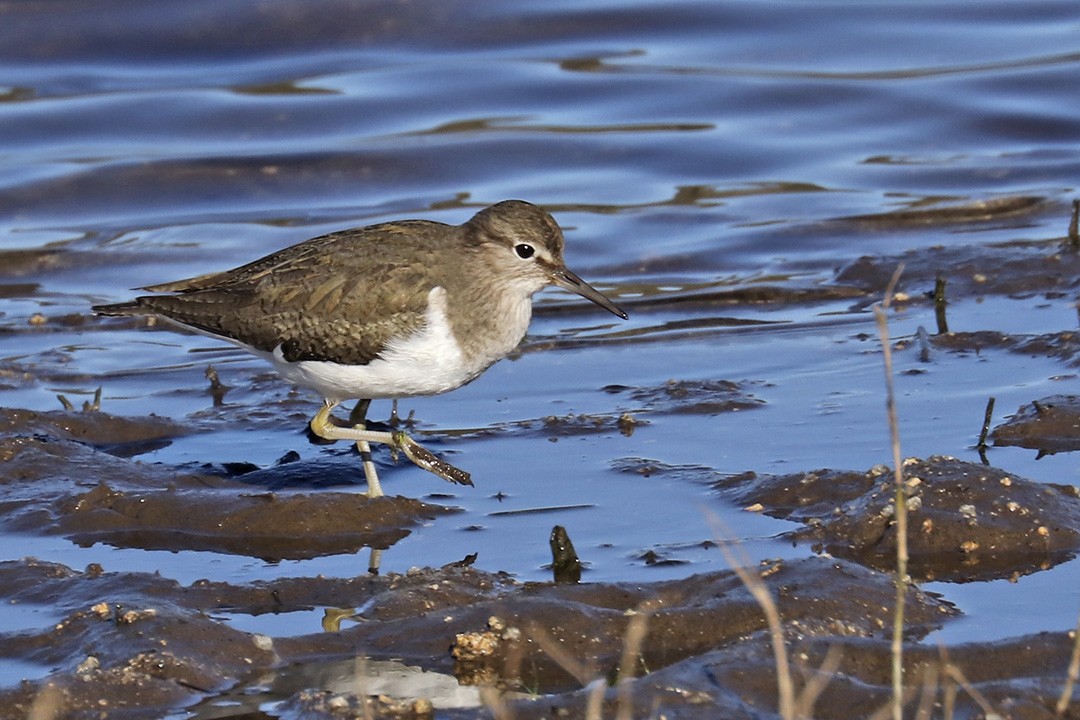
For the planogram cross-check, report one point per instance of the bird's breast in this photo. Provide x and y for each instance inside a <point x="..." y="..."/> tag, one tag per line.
<point x="490" y="329"/>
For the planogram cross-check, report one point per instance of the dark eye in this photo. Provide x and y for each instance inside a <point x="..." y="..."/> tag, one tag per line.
<point x="524" y="251"/>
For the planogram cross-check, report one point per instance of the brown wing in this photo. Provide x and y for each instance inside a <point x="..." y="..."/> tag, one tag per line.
<point x="339" y="297"/>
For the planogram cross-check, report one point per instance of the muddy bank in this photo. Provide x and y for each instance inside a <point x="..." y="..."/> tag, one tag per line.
<point x="132" y="644"/>
<point x="966" y="521"/>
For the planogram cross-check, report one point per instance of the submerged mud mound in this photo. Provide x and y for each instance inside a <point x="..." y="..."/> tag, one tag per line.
<point x="970" y="270"/>
<point x="966" y="521"/>
<point x="112" y="434"/>
<point x="1050" y="425"/>
<point x="58" y="479"/>
<point x="1063" y="345"/>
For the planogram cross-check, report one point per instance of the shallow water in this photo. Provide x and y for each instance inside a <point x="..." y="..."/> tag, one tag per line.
<point x="687" y="148"/>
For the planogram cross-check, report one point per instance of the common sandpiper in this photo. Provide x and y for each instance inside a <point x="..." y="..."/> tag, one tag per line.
<point x="398" y="309"/>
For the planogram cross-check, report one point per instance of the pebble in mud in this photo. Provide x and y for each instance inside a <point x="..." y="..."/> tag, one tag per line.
<point x="313" y="703"/>
<point x="481" y="658"/>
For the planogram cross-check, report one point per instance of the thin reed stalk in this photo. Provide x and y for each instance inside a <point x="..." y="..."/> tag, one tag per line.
<point x="881" y="316"/>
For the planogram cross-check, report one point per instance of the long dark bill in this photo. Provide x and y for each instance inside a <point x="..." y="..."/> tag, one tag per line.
<point x="568" y="280"/>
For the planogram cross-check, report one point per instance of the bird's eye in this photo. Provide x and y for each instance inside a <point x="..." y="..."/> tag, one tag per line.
<point x="524" y="251"/>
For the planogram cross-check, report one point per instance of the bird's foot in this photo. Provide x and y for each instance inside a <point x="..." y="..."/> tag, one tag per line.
<point x="424" y="458"/>
<point x="322" y="426"/>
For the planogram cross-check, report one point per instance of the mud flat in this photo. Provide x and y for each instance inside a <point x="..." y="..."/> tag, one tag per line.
<point x="128" y="644"/>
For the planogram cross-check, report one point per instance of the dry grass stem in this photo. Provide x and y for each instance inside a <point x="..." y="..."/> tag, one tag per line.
<point x="494" y="702"/>
<point x="886" y="710"/>
<point x="595" y="703"/>
<point x="804" y="707"/>
<point x="47" y="703"/>
<point x="738" y="561"/>
<point x="954" y="672"/>
<point x="882" y="318"/>
<point x="586" y="675"/>
<point x="578" y="670"/>
<point x="633" y="641"/>
<point x="948" y="699"/>
<point x="1070" y="679"/>
<point x="1074" y="225"/>
<point x="928" y="693"/>
<point x="363" y="678"/>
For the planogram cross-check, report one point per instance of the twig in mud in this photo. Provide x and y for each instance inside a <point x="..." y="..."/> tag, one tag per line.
<point x="785" y="685"/>
<point x="565" y="564"/>
<point x="1074" y="225"/>
<point x="1070" y="678"/>
<point x="882" y="318"/>
<point x="939" y="305"/>
<point x="87" y="406"/>
<point x="987" y="417"/>
<point x="923" y="339"/>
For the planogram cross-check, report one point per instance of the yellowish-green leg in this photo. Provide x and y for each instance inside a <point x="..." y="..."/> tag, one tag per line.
<point x="323" y="426"/>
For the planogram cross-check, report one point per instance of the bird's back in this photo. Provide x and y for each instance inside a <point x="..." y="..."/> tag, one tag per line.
<point x="339" y="297"/>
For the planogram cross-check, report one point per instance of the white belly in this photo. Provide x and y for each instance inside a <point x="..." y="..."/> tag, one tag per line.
<point x="425" y="363"/>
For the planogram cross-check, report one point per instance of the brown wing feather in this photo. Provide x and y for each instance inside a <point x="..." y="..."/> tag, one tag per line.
<point x="324" y="299"/>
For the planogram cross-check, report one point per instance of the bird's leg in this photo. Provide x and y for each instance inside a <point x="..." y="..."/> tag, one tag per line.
<point x="322" y="426"/>
<point x="374" y="561"/>
<point x="356" y="419"/>
<point x="358" y="416"/>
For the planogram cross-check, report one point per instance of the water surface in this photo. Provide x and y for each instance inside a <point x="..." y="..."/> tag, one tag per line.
<point x="687" y="149"/>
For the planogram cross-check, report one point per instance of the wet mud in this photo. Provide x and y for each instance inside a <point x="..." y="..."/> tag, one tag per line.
<point x="1006" y="269"/>
<point x="966" y="521"/>
<point x="60" y="477"/>
<point x="134" y="645"/>
<point x="1049" y="425"/>
<point x="130" y="644"/>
